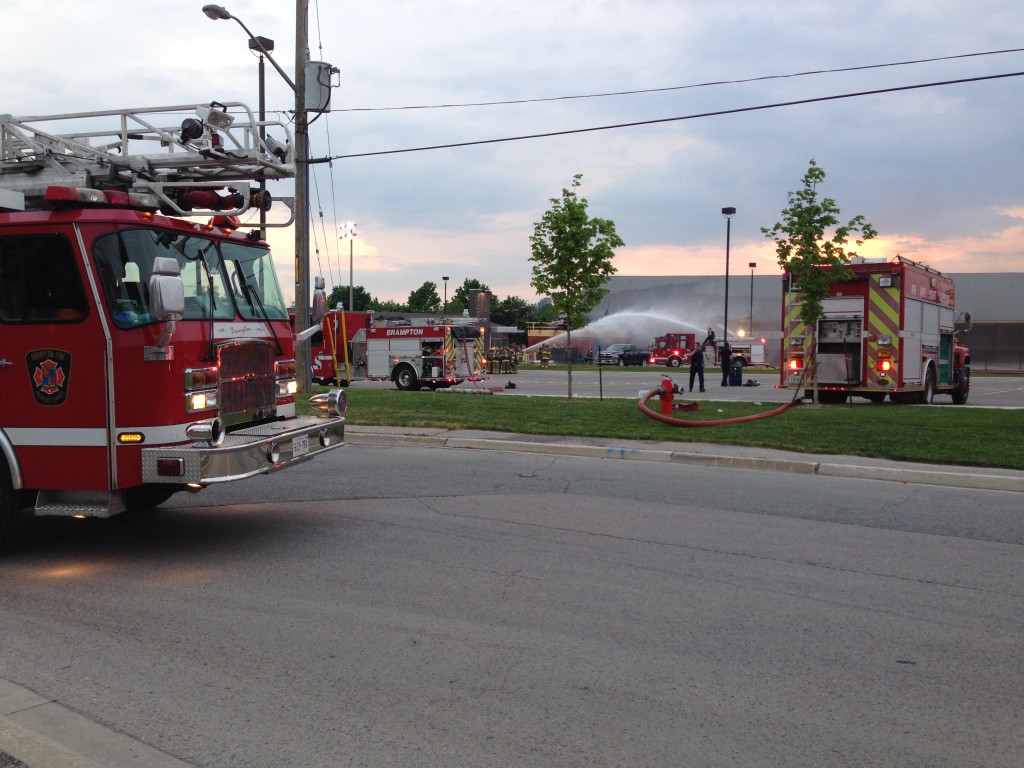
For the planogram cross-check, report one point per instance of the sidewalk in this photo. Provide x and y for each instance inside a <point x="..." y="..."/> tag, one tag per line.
<point x="38" y="733"/>
<point x="700" y="454"/>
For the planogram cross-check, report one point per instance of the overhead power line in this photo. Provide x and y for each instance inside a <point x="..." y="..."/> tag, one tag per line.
<point x="656" y="121"/>
<point x="684" y="87"/>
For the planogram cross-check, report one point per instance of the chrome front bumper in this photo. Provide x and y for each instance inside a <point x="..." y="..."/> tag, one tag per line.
<point x="256" y="450"/>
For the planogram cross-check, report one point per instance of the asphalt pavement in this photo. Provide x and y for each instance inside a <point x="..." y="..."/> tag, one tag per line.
<point x="39" y="733"/>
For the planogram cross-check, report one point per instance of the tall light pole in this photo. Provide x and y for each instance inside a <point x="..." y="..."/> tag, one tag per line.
<point x="750" y="322"/>
<point x="348" y="230"/>
<point x="445" y="278"/>
<point x="303" y="372"/>
<point x="259" y="45"/>
<point x="728" y="213"/>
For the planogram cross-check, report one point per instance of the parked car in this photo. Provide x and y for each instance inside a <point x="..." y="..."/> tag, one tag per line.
<point x="622" y="354"/>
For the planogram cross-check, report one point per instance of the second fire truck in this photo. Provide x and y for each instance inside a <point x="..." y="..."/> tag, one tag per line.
<point x="418" y="356"/>
<point x="887" y="331"/>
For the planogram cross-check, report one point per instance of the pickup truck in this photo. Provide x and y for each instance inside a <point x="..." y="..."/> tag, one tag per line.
<point x="622" y="354"/>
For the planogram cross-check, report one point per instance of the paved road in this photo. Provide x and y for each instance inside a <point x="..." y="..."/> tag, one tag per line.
<point x="991" y="392"/>
<point x="409" y="606"/>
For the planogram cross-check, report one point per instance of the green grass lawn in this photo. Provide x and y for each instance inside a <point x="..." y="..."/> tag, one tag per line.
<point x="941" y="434"/>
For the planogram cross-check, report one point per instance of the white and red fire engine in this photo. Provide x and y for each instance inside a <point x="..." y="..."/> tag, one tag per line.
<point x="675" y="349"/>
<point x="888" y="330"/>
<point x="142" y="353"/>
<point x="417" y="356"/>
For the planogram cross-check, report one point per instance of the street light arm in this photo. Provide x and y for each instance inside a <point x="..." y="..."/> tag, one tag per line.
<point x="217" y="12"/>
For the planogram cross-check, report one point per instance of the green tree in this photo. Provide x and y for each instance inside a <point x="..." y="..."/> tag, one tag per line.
<point x="512" y="310"/>
<point x="806" y="252"/>
<point x="388" y="305"/>
<point x="425" y="298"/>
<point x="572" y="259"/>
<point x="361" y="298"/>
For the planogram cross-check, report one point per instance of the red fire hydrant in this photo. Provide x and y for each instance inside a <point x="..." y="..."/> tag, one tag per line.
<point x="666" y="397"/>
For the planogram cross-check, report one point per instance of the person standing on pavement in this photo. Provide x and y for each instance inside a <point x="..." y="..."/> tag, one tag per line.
<point x="724" y="357"/>
<point x="697" y="366"/>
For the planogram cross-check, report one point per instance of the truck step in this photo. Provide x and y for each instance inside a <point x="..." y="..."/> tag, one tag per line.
<point x="79" y="503"/>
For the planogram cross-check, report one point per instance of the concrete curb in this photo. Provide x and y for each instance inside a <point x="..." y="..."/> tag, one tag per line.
<point x="43" y="734"/>
<point x="950" y="477"/>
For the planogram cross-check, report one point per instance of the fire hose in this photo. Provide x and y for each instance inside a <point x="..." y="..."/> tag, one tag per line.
<point x="668" y="407"/>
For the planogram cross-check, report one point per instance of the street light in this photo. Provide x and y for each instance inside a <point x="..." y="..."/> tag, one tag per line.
<point x="728" y="213"/>
<point x="348" y="230"/>
<point x="303" y="371"/>
<point x="750" y="322"/>
<point x="219" y="12"/>
<point x="445" y="278"/>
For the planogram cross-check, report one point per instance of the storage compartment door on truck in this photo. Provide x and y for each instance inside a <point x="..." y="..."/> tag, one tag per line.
<point x="839" y="340"/>
<point x="378" y="357"/>
<point x="53" y="362"/>
<point x="912" y="342"/>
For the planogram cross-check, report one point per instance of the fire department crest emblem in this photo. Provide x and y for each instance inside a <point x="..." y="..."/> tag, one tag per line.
<point x="50" y="372"/>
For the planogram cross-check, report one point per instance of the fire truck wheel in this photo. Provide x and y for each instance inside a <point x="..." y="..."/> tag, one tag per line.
<point x="928" y="393"/>
<point x="10" y="511"/>
<point x="674" y="362"/>
<point x="149" y="496"/>
<point x="876" y="397"/>
<point x="964" y="389"/>
<point x="405" y="378"/>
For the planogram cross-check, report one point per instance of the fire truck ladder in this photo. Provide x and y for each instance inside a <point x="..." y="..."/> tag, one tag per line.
<point x="213" y="146"/>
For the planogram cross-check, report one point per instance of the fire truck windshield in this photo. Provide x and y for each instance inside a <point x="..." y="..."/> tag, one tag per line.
<point x="219" y="283"/>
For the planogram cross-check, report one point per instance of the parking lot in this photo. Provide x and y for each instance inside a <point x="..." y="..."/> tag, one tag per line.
<point x="759" y="385"/>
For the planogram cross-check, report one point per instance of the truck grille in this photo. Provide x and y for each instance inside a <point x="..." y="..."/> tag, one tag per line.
<point x="247" y="380"/>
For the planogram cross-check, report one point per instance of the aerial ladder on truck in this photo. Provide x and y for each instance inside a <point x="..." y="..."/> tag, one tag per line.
<point x="141" y="393"/>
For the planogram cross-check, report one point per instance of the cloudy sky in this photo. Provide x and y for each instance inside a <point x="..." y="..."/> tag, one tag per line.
<point x="937" y="170"/>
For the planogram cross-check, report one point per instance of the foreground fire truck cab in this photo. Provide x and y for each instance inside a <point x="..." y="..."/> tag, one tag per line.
<point x="141" y="353"/>
<point x="887" y="331"/>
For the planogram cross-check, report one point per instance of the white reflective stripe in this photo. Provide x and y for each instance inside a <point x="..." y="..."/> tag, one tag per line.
<point x="60" y="436"/>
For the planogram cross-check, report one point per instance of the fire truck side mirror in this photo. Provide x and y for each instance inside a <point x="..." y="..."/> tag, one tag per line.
<point x="319" y="308"/>
<point x="968" y="321"/>
<point x="166" y="290"/>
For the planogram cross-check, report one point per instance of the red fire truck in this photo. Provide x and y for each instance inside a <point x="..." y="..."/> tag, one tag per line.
<point x="142" y="353"/>
<point x="672" y="349"/>
<point x="417" y="356"/>
<point x="330" y="348"/>
<point x="888" y="330"/>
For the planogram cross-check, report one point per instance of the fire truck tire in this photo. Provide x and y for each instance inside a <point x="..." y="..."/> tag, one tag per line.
<point x="674" y="362"/>
<point x="963" y="389"/>
<point x="149" y="496"/>
<point x="876" y="397"/>
<point x="405" y="378"/>
<point x="10" y="510"/>
<point x="928" y="393"/>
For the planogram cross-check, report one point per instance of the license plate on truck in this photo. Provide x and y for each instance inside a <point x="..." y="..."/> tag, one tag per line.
<point x="300" y="445"/>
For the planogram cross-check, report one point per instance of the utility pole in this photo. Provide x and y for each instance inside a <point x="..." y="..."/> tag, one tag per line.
<point x="303" y="373"/>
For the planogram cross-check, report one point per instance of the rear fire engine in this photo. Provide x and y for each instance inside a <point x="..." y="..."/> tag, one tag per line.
<point x="416" y="356"/>
<point x="330" y="352"/>
<point x="675" y="349"/>
<point x="888" y="330"/>
<point x="141" y="353"/>
<point x="672" y="349"/>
